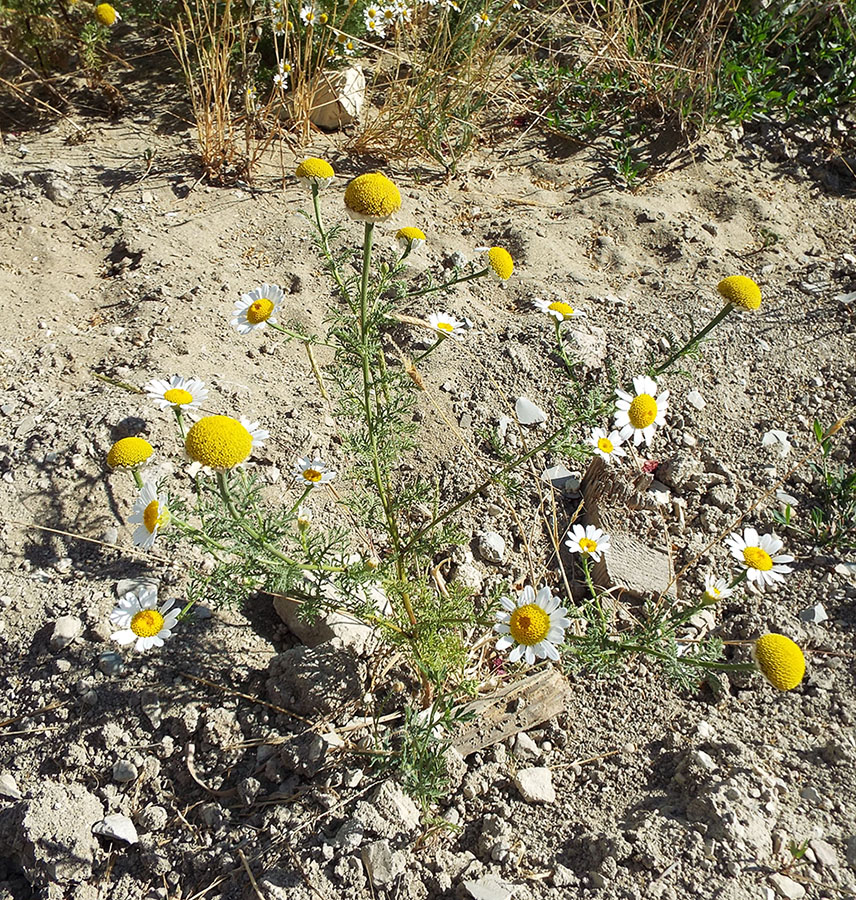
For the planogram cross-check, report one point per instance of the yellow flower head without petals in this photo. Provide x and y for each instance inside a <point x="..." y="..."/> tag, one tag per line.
<point x="106" y="14"/>
<point x="739" y="290"/>
<point x="410" y="233"/>
<point x="219" y="442"/>
<point x="779" y="660"/>
<point x="314" y="170"/>
<point x="129" y="452"/>
<point x="500" y="262"/>
<point x="372" y="198"/>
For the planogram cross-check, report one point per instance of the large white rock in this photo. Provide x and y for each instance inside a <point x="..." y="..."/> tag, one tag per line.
<point x="339" y="98"/>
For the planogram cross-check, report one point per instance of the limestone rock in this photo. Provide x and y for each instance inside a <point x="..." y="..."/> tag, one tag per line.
<point x="535" y="785"/>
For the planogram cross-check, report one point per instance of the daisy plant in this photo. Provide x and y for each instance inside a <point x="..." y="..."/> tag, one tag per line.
<point x="740" y="293"/>
<point x="560" y="312"/>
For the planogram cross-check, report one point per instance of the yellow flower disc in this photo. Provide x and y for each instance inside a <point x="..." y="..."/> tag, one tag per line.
<point x="529" y="624"/>
<point x="448" y="327"/>
<point x="105" y="14"/>
<point x="564" y="308"/>
<point x="312" y="475"/>
<point x="759" y="559"/>
<point x="587" y="545"/>
<point x="147" y="623"/>
<point x="605" y="444"/>
<point x="259" y="311"/>
<point x="643" y="411"/>
<point x="312" y="167"/>
<point x="129" y="452"/>
<point x="780" y="661"/>
<point x="155" y="517"/>
<point x="501" y="262"/>
<point x="219" y="442"/>
<point x="741" y="291"/>
<point x="178" y="397"/>
<point x="372" y="197"/>
<point x="410" y="233"/>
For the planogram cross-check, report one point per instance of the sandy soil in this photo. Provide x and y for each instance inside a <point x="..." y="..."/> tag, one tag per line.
<point x="117" y="268"/>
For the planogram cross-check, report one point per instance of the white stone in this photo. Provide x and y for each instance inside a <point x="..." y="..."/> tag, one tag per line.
<point x="339" y="98"/>
<point x="815" y="614"/>
<point x="66" y="629"/>
<point x="778" y="441"/>
<point x="695" y="399"/>
<point x="535" y="785"/>
<point x="824" y="852"/>
<point x="528" y="413"/>
<point x="9" y="787"/>
<point x="491" y="547"/>
<point x="524" y="747"/>
<point x="117" y="827"/>
<point x="123" y="771"/>
<point x="786" y="887"/>
<point x="491" y="887"/>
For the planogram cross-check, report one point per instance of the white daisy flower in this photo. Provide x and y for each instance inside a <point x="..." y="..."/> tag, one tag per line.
<point x="588" y="541"/>
<point x="151" y="514"/>
<point x="715" y="589"/>
<point x="533" y="625"/>
<point x="451" y="5"/>
<point x="558" y="309"/>
<point x="308" y="15"/>
<point x="312" y="472"/>
<point x="446" y="324"/>
<point x="640" y="414"/>
<point x="388" y="15"/>
<point x="372" y="12"/>
<point x="375" y="27"/>
<point x="280" y="80"/>
<point x="179" y="392"/>
<point x="606" y="446"/>
<point x="142" y="620"/>
<point x="279" y="27"/>
<point x="258" y="308"/>
<point x="759" y="554"/>
<point x="480" y="20"/>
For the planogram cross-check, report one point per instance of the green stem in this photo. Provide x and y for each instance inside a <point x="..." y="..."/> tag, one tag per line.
<point x="431" y="349"/>
<point x="561" y="344"/>
<point x="179" y="418"/>
<point x="739" y="579"/>
<point x="138" y="479"/>
<point x="689" y="660"/>
<point x="476" y="491"/>
<point x="226" y="496"/>
<point x="307" y="339"/>
<point x="452" y="283"/>
<point x="694" y="341"/>
<point x="325" y="246"/>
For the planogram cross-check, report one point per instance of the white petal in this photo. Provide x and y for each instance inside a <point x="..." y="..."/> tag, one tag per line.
<point x="516" y="653"/>
<point x="508" y="604"/>
<point x="527" y="595"/>
<point x="550" y="651"/>
<point x="501" y="628"/>
<point x="530" y="655"/>
<point x="504" y="643"/>
<point x="123" y="637"/>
